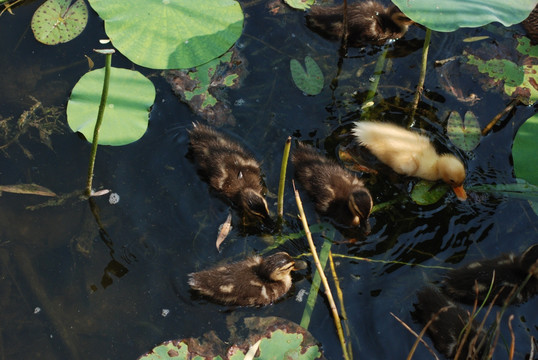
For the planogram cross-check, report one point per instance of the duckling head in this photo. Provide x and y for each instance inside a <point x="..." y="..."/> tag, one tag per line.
<point x="277" y="267"/>
<point x="452" y="172"/>
<point x="360" y="204"/>
<point x="254" y="204"/>
<point x="400" y="18"/>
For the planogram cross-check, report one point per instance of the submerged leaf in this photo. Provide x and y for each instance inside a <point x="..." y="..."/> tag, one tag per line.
<point x="525" y="149"/>
<point x="465" y="134"/>
<point x="309" y="81"/>
<point x="29" y="189"/>
<point x="224" y="230"/>
<point x="427" y="192"/>
<point x="300" y="4"/>
<point x="59" y="21"/>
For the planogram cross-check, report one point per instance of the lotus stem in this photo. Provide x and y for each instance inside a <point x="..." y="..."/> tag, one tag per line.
<point x="378" y="71"/>
<point x="104" y="95"/>
<point x="282" y="181"/>
<point x="328" y="292"/>
<point x="422" y="77"/>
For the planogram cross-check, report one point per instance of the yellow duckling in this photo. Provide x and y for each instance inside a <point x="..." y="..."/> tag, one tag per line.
<point x="368" y="22"/>
<point x="449" y="321"/>
<point x="410" y="153"/>
<point x="252" y="282"/>
<point x="336" y="192"/>
<point x="474" y="280"/>
<point x="230" y="170"/>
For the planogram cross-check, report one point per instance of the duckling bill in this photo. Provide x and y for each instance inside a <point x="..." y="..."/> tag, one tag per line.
<point x="409" y="153"/>
<point x="255" y="281"/>
<point x="230" y="170"/>
<point x="336" y="192"/>
<point x="508" y="273"/>
<point x="368" y="22"/>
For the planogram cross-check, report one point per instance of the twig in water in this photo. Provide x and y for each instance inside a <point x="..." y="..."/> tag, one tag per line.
<point x="420" y="337"/>
<point x="512" y="336"/>
<point x="422" y="77"/>
<point x="280" y="199"/>
<point x="497" y="117"/>
<point x="341" y="301"/>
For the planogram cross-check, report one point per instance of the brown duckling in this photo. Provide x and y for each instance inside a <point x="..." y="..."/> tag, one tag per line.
<point x="510" y="272"/>
<point x="336" y="192"/>
<point x="368" y="22"/>
<point x="531" y="25"/>
<point x="448" y="325"/>
<point x="409" y="153"/>
<point x="230" y="170"/>
<point x="255" y="281"/>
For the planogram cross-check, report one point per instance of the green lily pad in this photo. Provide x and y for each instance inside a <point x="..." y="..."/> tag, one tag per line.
<point x="125" y="120"/>
<point x="171" y="34"/>
<point x="300" y="4"/>
<point x="59" y="21"/>
<point x="449" y="15"/>
<point x="428" y="192"/>
<point x="465" y="134"/>
<point x="525" y="149"/>
<point x="310" y="81"/>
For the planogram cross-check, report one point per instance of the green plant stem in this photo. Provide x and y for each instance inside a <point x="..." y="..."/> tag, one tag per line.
<point x="104" y="95"/>
<point x="420" y="86"/>
<point x="282" y="181"/>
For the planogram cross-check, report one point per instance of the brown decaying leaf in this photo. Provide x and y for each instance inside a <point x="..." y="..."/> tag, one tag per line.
<point x="30" y="189"/>
<point x="224" y="230"/>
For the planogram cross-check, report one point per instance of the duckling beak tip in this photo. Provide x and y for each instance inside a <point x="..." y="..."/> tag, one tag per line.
<point x="460" y="192"/>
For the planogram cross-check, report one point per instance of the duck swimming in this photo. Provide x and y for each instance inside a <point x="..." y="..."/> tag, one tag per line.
<point x="510" y="272"/>
<point x="409" y="153"/>
<point x="255" y="281"/>
<point x="336" y="192"/>
<point x="368" y="22"/>
<point x="449" y="323"/>
<point x="230" y="170"/>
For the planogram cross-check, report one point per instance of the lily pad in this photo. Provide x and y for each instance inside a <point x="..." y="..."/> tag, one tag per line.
<point x="449" y="15"/>
<point x="465" y="134"/>
<point x="171" y="34"/>
<point x="309" y="81"/>
<point x="125" y="120"/>
<point x="300" y="4"/>
<point x="525" y="149"/>
<point x="59" y="21"/>
<point x="428" y="192"/>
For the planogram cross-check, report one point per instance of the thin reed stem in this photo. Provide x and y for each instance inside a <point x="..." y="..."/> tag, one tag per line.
<point x="340" y="295"/>
<point x="282" y="181"/>
<point x="422" y="77"/>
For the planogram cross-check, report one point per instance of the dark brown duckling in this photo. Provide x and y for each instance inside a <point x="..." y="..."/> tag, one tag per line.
<point x="446" y="328"/>
<point x="255" y="281"/>
<point x="230" y="170"/>
<point x="510" y="272"/>
<point x="368" y="22"/>
<point x="531" y="25"/>
<point x="336" y="192"/>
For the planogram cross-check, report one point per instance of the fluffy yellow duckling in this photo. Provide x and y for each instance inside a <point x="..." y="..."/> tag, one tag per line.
<point x="230" y="170"/>
<point x="368" y="22"/>
<point x="410" y="153"/>
<point x="255" y="281"/>
<point x="336" y="192"/>
<point x="510" y="273"/>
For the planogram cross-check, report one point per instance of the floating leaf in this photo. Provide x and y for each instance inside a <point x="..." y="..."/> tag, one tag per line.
<point x="521" y="190"/>
<point x="309" y="81"/>
<point x="449" y="15"/>
<point x="525" y="149"/>
<point x="125" y="120"/>
<point x="465" y="134"/>
<point x="428" y="192"/>
<point x="171" y="34"/>
<point x="29" y="189"/>
<point x="300" y="4"/>
<point x="57" y="21"/>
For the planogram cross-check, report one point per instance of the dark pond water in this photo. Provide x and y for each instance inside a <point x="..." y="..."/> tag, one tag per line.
<point x="71" y="291"/>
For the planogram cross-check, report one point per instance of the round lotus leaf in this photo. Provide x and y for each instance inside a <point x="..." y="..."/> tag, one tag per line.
<point x="465" y="134"/>
<point x="449" y="15"/>
<point x="427" y="192"/>
<point x="525" y="149"/>
<point x="309" y="81"/>
<point x="57" y="21"/>
<point x="125" y="120"/>
<point x="171" y="34"/>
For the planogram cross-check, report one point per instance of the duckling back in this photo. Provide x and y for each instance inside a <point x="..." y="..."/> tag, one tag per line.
<point x="229" y="169"/>
<point x="334" y="190"/>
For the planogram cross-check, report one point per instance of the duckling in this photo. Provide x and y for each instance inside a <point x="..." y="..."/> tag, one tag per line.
<point x="230" y="170"/>
<point x="336" y="192"/>
<point x="449" y="321"/>
<point x="409" y="153"/>
<point x="531" y="25"/>
<point x="252" y="282"/>
<point x="368" y="22"/>
<point x="510" y="272"/>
